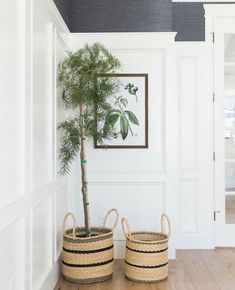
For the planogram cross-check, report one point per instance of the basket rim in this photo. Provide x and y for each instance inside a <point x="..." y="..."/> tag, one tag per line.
<point x="109" y="231"/>
<point x="132" y="239"/>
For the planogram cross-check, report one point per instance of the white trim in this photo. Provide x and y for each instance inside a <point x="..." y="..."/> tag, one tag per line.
<point x="49" y="8"/>
<point x="121" y="41"/>
<point x="53" y="277"/>
<point x="213" y="11"/>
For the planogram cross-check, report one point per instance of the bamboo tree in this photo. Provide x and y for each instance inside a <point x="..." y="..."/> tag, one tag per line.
<point x="95" y="107"/>
<point x="83" y="160"/>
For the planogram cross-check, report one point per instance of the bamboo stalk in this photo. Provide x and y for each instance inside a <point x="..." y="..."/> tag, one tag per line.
<point x="84" y="188"/>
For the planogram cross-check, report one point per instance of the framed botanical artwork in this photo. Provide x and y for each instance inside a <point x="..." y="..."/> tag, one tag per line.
<point x="137" y="102"/>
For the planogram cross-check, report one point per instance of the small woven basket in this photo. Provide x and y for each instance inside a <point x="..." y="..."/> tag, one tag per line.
<point x="146" y="253"/>
<point x="88" y="259"/>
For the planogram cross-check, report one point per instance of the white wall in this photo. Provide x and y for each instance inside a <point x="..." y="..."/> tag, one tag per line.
<point x="139" y="182"/>
<point x="175" y="175"/>
<point x="33" y="198"/>
<point x="195" y="199"/>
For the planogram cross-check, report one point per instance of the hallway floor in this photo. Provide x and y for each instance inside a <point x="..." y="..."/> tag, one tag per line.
<point x="192" y="270"/>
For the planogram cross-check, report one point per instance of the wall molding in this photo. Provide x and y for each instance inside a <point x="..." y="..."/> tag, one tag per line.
<point x="113" y="41"/>
<point x="52" y="277"/>
<point x="49" y="8"/>
<point x="180" y="113"/>
<point x="195" y="205"/>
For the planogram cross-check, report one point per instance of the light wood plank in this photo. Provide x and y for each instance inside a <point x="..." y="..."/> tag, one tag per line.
<point x="178" y="276"/>
<point x="198" y="273"/>
<point x="192" y="270"/>
<point x="217" y="268"/>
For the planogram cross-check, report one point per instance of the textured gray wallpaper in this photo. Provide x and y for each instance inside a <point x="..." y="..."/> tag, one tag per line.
<point x="185" y="18"/>
<point x="120" y="15"/>
<point x="188" y="20"/>
<point x="62" y="6"/>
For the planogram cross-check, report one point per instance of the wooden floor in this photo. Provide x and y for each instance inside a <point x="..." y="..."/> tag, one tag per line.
<point x="192" y="270"/>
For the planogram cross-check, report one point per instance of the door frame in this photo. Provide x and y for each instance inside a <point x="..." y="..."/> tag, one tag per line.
<point x="213" y="12"/>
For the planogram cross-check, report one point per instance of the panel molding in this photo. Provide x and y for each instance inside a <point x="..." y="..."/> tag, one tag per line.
<point x="124" y="195"/>
<point x="45" y="26"/>
<point x="58" y="248"/>
<point x="13" y="152"/>
<point x="182" y="78"/>
<point x="185" y="209"/>
<point x="14" y="263"/>
<point x="48" y="203"/>
<point x="17" y="208"/>
<point x="49" y="9"/>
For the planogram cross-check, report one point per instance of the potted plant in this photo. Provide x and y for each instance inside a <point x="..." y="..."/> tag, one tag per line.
<point x="85" y="77"/>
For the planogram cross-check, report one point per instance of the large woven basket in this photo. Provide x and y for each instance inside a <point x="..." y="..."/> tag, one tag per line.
<point x="146" y="253"/>
<point x="88" y="259"/>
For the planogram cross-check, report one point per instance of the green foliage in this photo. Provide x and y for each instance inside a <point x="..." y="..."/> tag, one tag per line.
<point x="70" y="144"/>
<point x="85" y="77"/>
<point x="132" y="117"/>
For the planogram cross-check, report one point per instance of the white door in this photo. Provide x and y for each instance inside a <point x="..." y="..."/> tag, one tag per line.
<point x="224" y="112"/>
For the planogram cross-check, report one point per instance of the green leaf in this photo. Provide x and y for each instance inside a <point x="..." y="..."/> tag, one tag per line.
<point x="114" y="111"/>
<point x="110" y="121"/>
<point x="113" y="119"/>
<point x="124" y="102"/>
<point x="132" y="117"/>
<point x="123" y="127"/>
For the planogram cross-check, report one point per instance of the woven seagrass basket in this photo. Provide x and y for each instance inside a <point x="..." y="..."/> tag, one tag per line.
<point x="88" y="259"/>
<point x="146" y="253"/>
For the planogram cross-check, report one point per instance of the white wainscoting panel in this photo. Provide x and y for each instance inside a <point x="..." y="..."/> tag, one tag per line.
<point x="61" y="194"/>
<point x="12" y="255"/>
<point x="131" y="199"/>
<point x="28" y="124"/>
<point x="195" y="146"/>
<point x="61" y="207"/>
<point x="12" y="109"/>
<point x="42" y="241"/>
<point x="188" y="106"/>
<point x="33" y="199"/>
<point x="42" y="100"/>
<point x="188" y="205"/>
<point x="60" y="48"/>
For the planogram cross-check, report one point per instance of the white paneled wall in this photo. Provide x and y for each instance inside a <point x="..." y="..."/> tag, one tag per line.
<point x="138" y="182"/>
<point x="12" y="85"/>
<point x="188" y="106"/>
<point x="33" y="197"/>
<point x="174" y="175"/>
<point x="195" y="142"/>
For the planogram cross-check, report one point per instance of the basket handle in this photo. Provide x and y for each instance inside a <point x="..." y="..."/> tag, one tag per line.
<point x="116" y="219"/>
<point x="74" y="224"/>
<point x="165" y="216"/>
<point x="125" y="226"/>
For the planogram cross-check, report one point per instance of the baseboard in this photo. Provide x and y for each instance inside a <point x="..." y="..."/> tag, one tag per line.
<point x="52" y="278"/>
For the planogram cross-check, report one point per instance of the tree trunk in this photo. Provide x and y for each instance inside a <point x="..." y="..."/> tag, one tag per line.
<point x="84" y="188"/>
